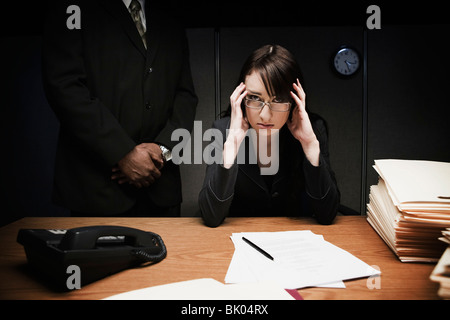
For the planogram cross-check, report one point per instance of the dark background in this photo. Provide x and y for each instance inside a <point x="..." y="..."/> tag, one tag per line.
<point x="395" y="106"/>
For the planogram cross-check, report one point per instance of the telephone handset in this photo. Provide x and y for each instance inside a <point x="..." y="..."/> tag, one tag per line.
<point x="147" y="245"/>
<point x="98" y="251"/>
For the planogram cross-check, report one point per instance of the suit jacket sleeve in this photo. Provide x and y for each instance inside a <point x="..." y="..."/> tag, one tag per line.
<point x="217" y="192"/>
<point x="185" y="102"/>
<point x="320" y="182"/>
<point x="86" y="118"/>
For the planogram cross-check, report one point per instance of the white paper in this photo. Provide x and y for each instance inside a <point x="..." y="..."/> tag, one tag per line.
<point x="207" y="289"/>
<point x="301" y="259"/>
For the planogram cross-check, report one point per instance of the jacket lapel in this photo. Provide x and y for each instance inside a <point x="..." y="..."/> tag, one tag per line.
<point x="117" y="9"/>
<point x="153" y="32"/>
<point x="254" y="173"/>
<point x="249" y="167"/>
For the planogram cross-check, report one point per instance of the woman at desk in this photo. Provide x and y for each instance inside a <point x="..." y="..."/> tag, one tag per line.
<point x="291" y="173"/>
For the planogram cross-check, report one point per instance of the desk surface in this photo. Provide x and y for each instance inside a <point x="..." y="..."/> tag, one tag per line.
<point x="196" y="251"/>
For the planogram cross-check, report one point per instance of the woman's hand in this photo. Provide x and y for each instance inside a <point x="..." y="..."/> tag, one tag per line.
<point x="238" y="127"/>
<point x="301" y="128"/>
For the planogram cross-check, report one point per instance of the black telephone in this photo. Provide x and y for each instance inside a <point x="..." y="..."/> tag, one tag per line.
<point x="98" y="251"/>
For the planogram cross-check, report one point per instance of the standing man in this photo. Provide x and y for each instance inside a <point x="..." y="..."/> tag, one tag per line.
<point x="119" y="81"/>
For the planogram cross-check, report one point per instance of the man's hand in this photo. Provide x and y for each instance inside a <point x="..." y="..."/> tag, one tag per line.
<point x="155" y="153"/>
<point x="140" y="167"/>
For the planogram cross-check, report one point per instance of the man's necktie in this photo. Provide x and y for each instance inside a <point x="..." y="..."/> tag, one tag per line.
<point x="135" y="8"/>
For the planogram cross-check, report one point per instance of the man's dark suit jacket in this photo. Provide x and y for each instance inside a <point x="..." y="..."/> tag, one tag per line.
<point x="111" y="94"/>
<point x="297" y="189"/>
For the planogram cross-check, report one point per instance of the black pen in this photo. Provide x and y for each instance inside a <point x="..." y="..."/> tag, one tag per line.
<point x="257" y="248"/>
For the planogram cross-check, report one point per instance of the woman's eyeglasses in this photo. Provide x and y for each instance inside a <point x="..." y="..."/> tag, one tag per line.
<point x="274" y="106"/>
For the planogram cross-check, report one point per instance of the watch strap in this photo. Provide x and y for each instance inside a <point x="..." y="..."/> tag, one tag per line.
<point x="166" y="153"/>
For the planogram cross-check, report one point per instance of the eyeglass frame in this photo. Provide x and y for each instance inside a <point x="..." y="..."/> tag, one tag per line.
<point x="263" y="103"/>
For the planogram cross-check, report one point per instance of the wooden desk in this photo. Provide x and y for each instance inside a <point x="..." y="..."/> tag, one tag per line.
<point x="196" y="251"/>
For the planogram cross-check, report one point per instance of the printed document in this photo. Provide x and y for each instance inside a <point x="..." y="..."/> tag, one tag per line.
<point x="301" y="259"/>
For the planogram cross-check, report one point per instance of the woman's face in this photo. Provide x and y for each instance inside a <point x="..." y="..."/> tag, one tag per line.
<point x="264" y="118"/>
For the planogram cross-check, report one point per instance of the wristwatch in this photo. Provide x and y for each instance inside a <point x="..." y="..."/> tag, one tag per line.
<point x="166" y="153"/>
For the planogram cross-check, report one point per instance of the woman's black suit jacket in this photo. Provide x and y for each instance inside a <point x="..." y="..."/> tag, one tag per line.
<point x="111" y="94"/>
<point x="297" y="189"/>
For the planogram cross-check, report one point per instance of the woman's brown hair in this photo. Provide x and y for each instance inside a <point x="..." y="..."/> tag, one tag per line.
<point x="278" y="70"/>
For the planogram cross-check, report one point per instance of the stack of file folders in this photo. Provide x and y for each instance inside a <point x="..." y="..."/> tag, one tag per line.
<point x="410" y="206"/>
<point x="441" y="272"/>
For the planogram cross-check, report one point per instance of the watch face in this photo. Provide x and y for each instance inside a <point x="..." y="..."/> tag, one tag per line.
<point x="346" y="61"/>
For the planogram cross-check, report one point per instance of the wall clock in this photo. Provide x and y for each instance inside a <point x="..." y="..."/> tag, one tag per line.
<point x="346" y="61"/>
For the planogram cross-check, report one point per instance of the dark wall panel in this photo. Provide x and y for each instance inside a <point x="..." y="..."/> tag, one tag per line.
<point x="29" y="133"/>
<point x="201" y="47"/>
<point x="408" y="88"/>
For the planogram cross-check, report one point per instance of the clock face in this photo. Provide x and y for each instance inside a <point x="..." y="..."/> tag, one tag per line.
<point x="346" y="61"/>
